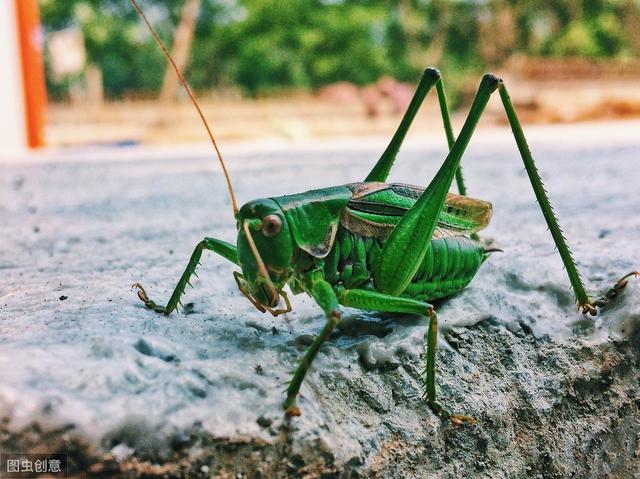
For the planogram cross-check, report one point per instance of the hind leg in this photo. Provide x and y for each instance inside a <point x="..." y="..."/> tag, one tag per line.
<point x="407" y="245"/>
<point x="430" y="77"/>
<point x="585" y="303"/>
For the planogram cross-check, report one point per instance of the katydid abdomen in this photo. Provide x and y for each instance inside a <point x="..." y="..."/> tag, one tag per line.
<point x="449" y="265"/>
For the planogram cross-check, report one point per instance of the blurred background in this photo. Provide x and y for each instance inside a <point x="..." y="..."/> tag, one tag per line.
<point x="325" y="68"/>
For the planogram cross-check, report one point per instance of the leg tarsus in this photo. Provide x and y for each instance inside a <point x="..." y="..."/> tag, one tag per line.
<point x="610" y="294"/>
<point x="456" y="419"/>
<point x="142" y="294"/>
<point x="430" y="375"/>
<point x="292" y="410"/>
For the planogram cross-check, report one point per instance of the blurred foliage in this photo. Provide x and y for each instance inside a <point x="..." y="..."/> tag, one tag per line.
<point x="266" y="45"/>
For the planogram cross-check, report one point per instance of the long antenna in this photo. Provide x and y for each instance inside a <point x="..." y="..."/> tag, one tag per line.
<point x="193" y="100"/>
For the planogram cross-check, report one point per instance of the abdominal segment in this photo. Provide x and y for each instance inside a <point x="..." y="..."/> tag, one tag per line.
<point x="448" y="266"/>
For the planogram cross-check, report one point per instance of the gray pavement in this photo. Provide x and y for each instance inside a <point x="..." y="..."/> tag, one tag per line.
<point x="78" y="348"/>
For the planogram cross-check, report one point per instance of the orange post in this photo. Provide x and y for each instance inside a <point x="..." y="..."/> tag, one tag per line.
<point x="35" y="94"/>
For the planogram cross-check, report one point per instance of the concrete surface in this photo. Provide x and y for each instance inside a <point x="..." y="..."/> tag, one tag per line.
<point x="88" y="370"/>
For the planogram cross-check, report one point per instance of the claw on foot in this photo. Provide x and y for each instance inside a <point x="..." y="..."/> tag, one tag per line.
<point x="456" y="419"/>
<point x="459" y="420"/>
<point x="588" y="308"/>
<point x="622" y="282"/>
<point x="142" y="294"/>
<point x="591" y="307"/>
<point x="293" y="411"/>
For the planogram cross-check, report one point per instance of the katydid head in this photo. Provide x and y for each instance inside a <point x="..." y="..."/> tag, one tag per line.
<point x="269" y="231"/>
<point x="265" y="252"/>
<point x="265" y="244"/>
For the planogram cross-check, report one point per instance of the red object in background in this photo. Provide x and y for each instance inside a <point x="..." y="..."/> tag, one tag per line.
<point x="35" y="93"/>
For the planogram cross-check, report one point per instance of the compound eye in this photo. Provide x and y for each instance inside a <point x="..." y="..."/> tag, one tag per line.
<point x="271" y="225"/>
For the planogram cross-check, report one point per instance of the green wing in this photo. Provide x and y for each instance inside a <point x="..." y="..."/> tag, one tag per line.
<point x="375" y="209"/>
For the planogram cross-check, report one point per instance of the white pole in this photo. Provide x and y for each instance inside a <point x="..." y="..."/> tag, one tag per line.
<point x="13" y="135"/>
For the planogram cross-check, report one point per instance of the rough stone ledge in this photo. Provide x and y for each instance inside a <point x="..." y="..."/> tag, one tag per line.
<point x="543" y="409"/>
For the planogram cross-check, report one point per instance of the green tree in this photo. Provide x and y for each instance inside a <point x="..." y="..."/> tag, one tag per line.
<point x="266" y="45"/>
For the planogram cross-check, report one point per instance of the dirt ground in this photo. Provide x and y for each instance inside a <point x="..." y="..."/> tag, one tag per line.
<point x="334" y="113"/>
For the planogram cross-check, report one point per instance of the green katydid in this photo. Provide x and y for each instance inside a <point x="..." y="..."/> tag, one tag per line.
<point x="372" y="245"/>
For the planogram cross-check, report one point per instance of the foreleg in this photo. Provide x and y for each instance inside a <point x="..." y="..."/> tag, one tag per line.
<point x="224" y="249"/>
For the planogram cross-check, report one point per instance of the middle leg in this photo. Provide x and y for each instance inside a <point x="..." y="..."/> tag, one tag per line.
<point x="323" y="294"/>
<point x="371" y="300"/>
